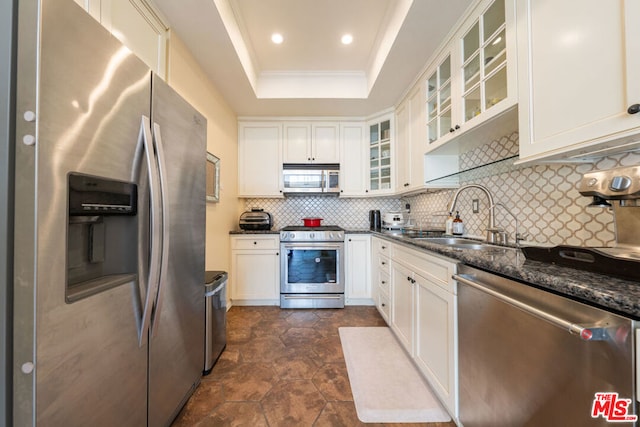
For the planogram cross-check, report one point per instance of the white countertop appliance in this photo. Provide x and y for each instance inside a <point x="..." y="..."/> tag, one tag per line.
<point x="394" y="220"/>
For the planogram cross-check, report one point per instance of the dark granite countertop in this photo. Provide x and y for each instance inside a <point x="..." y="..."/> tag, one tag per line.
<point x="616" y="295"/>
<point x="254" y="232"/>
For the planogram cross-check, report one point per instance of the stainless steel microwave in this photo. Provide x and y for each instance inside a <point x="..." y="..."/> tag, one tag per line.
<point x="311" y="178"/>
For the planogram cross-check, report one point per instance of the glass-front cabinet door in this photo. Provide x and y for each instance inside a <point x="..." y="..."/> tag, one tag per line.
<point x="484" y="62"/>
<point x="439" y="101"/>
<point x="380" y="137"/>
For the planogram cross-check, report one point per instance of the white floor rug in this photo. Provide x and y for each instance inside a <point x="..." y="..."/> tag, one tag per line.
<point x="386" y="386"/>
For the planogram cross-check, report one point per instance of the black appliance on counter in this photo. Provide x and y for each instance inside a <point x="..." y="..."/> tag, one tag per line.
<point x="255" y="219"/>
<point x="375" y="220"/>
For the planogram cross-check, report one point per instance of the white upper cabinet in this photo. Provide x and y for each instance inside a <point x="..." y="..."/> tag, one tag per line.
<point x="579" y="75"/>
<point x="311" y="143"/>
<point x="137" y="24"/>
<point x="473" y="80"/>
<point x="259" y="159"/>
<point x="353" y="159"/>
<point x="410" y="142"/>
<point x="381" y="152"/>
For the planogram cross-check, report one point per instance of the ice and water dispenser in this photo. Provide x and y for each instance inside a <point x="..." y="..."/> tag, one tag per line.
<point x="102" y="235"/>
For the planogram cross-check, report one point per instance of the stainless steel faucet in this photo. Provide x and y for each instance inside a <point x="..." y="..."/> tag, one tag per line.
<point x="503" y="234"/>
<point x="491" y="227"/>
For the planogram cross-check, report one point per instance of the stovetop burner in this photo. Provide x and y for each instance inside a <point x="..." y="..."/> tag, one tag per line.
<point x="324" y="233"/>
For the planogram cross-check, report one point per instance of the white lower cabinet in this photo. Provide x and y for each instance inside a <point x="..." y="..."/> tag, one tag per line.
<point x="402" y="305"/>
<point x="435" y="344"/>
<point x="358" y="270"/>
<point x="416" y="295"/>
<point x="255" y="270"/>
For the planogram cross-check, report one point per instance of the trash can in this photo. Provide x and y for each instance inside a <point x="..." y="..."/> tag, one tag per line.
<point x="215" y="327"/>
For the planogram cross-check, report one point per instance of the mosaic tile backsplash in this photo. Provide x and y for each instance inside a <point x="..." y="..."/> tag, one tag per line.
<point x="347" y="213"/>
<point x="543" y="198"/>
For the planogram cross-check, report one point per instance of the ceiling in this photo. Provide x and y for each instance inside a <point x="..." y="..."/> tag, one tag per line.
<point x="312" y="73"/>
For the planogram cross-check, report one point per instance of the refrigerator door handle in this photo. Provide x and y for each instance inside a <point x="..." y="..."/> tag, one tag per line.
<point x="155" y="216"/>
<point x="164" y="255"/>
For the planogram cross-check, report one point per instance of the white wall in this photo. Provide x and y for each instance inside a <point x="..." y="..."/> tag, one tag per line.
<point x="187" y="77"/>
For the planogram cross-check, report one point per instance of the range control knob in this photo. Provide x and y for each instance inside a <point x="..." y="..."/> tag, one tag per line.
<point x="292" y="236"/>
<point x="620" y="183"/>
<point x="312" y="236"/>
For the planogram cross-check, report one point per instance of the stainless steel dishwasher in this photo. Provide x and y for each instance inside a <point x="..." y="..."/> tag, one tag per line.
<point x="531" y="358"/>
<point x="215" y="330"/>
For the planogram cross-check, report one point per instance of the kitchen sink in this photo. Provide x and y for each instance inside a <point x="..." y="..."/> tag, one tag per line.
<point x="459" y="243"/>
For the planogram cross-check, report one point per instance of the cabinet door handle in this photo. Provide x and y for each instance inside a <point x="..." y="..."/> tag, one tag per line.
<point x="457" y="127"/>
<point x="635" y="108"/>
<point x="451" y="130"/>
<point x="408" y="278"/>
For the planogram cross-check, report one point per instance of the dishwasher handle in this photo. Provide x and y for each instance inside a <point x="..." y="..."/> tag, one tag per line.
<point x="586" y="333"/>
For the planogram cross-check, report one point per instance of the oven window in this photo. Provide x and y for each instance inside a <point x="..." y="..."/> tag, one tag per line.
<point x="312" y="266"/>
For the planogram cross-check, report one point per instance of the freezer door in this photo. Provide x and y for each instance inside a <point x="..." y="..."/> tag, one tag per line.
<point x="90" y="369"/>
<point x="176" y="353"/>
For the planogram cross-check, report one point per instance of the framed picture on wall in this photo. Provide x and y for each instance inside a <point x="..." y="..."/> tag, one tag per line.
<point x="213" y="178"/>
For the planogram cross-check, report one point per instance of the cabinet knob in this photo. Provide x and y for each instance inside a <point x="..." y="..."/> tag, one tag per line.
<point x="309" y="158"/>
<point x="313" y="158"/>
<point x="349" y="239"/>
<point x="451" y="130"/>
<point x="635" y="108"/>
<point x="383" y="305"/>
<point x="408" y="278"/>
<point x="383" y="247"/>
<point x="457" y="127"/>
<point x="277" y="253"/>
<point x="366" y="191"/>
<point x="384" y="283"/>
<point x="255" y="243"/>
<point x="384" y="263"/>
<point x="342" y="191"/>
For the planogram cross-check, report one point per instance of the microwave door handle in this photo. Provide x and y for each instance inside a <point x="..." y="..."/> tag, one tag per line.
<point x="325" y="181"/>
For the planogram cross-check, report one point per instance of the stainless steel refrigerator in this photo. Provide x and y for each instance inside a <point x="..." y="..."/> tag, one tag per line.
<point x="109" y="230"/>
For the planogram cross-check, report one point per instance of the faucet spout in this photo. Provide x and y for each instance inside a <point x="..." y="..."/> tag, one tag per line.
<point x="486" y="191"/>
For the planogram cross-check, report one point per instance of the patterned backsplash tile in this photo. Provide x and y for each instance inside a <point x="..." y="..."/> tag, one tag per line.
<point x="347" y="213"/>
<point x="543" y="198"/>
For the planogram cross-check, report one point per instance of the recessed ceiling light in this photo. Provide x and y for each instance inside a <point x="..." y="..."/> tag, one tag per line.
<point x="347" y="39"/>
<point x="277" y="38"/>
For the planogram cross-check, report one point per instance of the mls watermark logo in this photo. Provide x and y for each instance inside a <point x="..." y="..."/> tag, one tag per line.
<point x="612" y="408"/>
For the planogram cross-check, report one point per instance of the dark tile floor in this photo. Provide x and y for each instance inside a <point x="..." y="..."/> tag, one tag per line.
<point x="282" y="368"/>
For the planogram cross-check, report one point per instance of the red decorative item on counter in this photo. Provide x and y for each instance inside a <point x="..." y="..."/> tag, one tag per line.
<point x="312" y="222"/>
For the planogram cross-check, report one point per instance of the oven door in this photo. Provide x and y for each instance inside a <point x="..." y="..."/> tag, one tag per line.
<point x="312" y="268"/>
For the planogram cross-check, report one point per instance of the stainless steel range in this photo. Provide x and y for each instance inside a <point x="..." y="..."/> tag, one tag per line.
<point x="312" y="267"/>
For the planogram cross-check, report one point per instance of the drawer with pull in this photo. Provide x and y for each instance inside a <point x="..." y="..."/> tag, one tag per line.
<point x="255" y="242"/>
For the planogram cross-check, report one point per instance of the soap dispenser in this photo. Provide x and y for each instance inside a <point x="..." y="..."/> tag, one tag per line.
<point x="458" y="225"/>
<point x="448" y="225"/>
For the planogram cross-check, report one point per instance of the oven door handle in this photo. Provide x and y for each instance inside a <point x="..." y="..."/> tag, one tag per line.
<point x="307" y="296"/>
